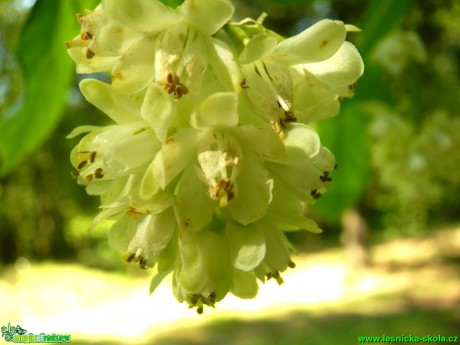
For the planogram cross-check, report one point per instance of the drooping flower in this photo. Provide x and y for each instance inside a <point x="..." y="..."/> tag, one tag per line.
<point x="209" y="159"/>
<point x="140" y="42"/>
<point x="300" y="78"/>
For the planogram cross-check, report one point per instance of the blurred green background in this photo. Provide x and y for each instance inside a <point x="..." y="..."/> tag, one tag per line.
<point x="391" y="222"/>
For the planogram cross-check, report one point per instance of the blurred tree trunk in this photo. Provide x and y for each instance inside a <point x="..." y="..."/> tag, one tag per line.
<point x="355" y="238"/>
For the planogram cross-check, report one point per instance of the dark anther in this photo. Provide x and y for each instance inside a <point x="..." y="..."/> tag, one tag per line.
<point x="98" y="173"/>
<point x="315" y="194"/>
<point x="86" y="36"/>
<point x="89" y="53"/>
<point x="82" y="165"/>
<point x="325" y="177"/>
<point x="289" y="117"/>
<point x="130" y="258"/>
<point x="142" y="263"/>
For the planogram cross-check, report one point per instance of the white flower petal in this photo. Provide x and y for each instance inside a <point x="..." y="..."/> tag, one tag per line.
<point x="119" y="107"/>
<point x="218" y="152"/>
<point x="341" y="69"/>
<point x="277" y="255"/>
<point x="316" y="43"/>
<point x="153" y="233"/>
<point x="120" y="188"/>
<point x="149" y="185"/>
<point x="143" y="15"/>
<point x="261" y="94"/>
<point x="218" y="110"/>
<point x="324" y="160"/>
<point x="247" y="245"/>
<point x="207" y="16"/>
<point x="113" y="38"/>
<point x="95" y="64"/>
<point x="98" y="187"/>
<point x="286" y="212"/>
<point x="204" y="264"/>
<point x="314" y="102"/>
<point x="176" y="153"/>
<point x="194" y="207"/>
<point x="254" y="191"/>
<point x="136" y="68"/>
<point x="121" y="232"/>
<point x="158" y="110"/>
<point x="280" y="75"/>
<point x="158" y="203"/>
<point x="301" y="143"/>
<point x="82" y="129"/>
<point x="130" y="151"/>
<point x="224" y="65"/>
<point x="244" y="284"/>
<point x="261" y="140"/>
<point x="258" y="47"/>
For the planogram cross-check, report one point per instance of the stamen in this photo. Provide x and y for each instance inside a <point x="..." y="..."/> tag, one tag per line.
<point x="132" y="213"/>
<point x="135" y="258"/>
<point x="325" y="177"/>
<point x="289" y="117"/>
<point x="76" y="43"/>
<point x="179" y="91"/>
<point x="171" y="78"/>
<point x="98" y="173"/>
<point x="198" y="301"/>
<point x="117" y="76"/>
<point x="128" y="256"/>
<point x="89" y="53"/>
<point x="172" y="85"/>
<point x="86" y="36"/>
<point x="275" y="275"/>
<point x="143" y="263"/>
<point x="278" y="128"/>
<point x="80" y="18"/>
<point x="223" y="192"/>
<point x="82" y="165"/>
<point x="315" y="194"/>
<point x="169" y="88"/>
<point x="278" y="278"/>
<point x="85" y="157"/>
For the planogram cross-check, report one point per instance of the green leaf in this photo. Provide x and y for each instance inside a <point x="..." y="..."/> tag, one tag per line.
<point x="379" y="19"/>
<point x="48" y="73"/>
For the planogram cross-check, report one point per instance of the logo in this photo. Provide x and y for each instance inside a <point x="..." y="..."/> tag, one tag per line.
<point x="18" y="335"/>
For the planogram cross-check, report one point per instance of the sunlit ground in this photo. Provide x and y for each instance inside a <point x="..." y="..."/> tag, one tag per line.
<point x="413" y="288"/>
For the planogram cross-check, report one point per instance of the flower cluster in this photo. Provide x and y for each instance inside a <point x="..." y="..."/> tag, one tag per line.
<point x="210" y="158"/>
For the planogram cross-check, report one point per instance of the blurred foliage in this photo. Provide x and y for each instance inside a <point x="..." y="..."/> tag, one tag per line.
<point x="47" y="74"/>
<point x="396" y="142"/>
<point x="299" y="328"/>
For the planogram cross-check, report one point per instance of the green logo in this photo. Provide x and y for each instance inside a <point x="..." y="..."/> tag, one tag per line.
<point x="18" y="335"/>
